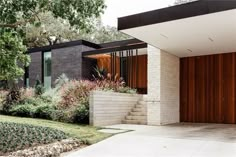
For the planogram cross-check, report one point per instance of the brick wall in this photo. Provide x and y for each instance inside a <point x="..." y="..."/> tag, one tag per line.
<point x="108" y="108"/>
<point x="64" y="60"/>
<point x="88" y="65"/>
<point x="68" y="61"/>
<point x="35" y="68"/>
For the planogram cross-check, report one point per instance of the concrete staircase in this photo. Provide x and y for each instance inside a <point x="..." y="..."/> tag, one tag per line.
<point x="138" y="115"/>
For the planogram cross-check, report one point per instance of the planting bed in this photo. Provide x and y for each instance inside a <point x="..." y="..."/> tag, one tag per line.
<point x="15" y="136"/>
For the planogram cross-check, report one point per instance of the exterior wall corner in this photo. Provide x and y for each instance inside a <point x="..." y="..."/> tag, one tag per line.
<point x="163" y="87"/>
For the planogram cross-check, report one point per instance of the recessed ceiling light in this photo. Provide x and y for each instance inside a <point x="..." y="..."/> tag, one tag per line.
<point x="189" y="50"/>
<point x="211" y="39"/>
<point x="164" y="36"/>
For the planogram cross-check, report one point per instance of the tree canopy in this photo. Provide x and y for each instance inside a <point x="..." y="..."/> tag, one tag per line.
<point x="16" y="15"/>
<point x="79" y="13"/>
<point x="12" y="56"/>
<point x="56" y="30"/>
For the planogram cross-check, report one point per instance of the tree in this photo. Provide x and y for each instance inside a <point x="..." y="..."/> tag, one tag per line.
<point x="79" y="13"/>
<point x="15" y="15"/>
<point x="12" y="55"/>
<point x="56" y="30"/>
<point x="178" y="2"/>
<point x="102" y="34"/>
<point x="52" y="31"/>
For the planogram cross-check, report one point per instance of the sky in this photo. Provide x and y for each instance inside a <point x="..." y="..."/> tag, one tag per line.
<point x="119" y="8"/>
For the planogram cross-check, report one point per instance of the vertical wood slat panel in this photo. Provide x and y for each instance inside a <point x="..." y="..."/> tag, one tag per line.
<point x="207" y="89"/>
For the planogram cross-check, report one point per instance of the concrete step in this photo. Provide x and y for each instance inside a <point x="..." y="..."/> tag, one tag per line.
<point x="143" y="103"/>
<point x="138" y="110"/>
<point x="137" y="114"/>
<point x="144" y="98"/>
<point x="136" y="118"/>
<point x="140" y="106"/>
<point x="141" y="122"/>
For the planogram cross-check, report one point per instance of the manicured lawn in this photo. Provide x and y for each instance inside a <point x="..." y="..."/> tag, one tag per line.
<point x="88" y="134"/>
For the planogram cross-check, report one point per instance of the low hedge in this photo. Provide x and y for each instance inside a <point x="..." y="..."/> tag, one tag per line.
<point x="77" y="114"/>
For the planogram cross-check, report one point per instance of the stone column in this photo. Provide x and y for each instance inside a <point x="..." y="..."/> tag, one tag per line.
<point x="154" y="89"/>
<point x="163" y="87"/>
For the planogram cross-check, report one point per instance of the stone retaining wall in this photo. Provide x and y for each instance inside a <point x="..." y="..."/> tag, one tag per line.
<point x="109" y="108"/>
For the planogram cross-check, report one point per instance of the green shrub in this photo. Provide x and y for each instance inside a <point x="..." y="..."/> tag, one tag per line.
<point x="39" y="88"/>
<point x="67" y="116"/>
<point x="73" y="92"/>
<point x="23" y="110"/>
<point x="126" y="90"/>
<point x="57" y="115"/>
<point x="82" y="114"/>
<point x="44" y="111"/>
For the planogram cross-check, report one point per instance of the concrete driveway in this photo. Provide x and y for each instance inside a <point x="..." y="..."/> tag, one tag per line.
<point x="180" y="140"/>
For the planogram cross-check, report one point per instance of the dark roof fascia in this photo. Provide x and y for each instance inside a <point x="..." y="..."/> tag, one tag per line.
<point x="120" y="43"/>
<point x="63" y="45"/>
<point x="115" y="49"/>
<point x="196" y="8"/>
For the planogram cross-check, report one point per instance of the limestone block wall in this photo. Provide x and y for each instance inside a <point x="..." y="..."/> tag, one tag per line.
<point x="163" y="87"/>
<point x="170" y="108"/>
<point x="153" y="97"/>
<point x="109" y="108"/>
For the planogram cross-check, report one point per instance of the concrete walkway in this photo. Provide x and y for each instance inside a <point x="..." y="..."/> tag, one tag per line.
<point x="181" y="140"/>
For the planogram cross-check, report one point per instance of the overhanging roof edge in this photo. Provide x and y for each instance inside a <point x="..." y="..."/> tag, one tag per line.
<point x="196" y="8"/>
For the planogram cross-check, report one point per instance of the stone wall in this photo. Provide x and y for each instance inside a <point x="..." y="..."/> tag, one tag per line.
<point x="108" y="108"/>
<point x="170" y="80"/>
<point x="153" y="98"/>
<point x="163" y="87"/>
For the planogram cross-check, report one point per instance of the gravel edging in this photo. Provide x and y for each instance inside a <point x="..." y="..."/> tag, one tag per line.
<point x="49" y="150"/>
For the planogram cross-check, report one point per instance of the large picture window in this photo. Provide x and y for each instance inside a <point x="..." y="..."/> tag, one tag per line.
<point x="47" y="60"/>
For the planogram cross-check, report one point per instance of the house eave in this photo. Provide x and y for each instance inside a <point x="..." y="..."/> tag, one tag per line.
<point x="196" y="8"/>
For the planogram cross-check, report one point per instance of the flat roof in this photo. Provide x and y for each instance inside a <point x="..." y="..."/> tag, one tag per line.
<point x="86" y="43"/>
<point x="196" y="8"/>
<point x="64" y="45"/>
<point x="117" y="46"/>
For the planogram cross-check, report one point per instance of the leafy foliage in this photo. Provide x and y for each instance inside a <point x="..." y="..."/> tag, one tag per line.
<point x="12" y="98"/>
<point x="57" y="30"/>
<point x="12" y="55"/>
<point x="61" y="80"/>
<point x="39" y="88"/>
<point x="102" y="34"/>
<point x="74" y="92"/>
<point x="23" y="110"/>
<point x="16" y="136"/>
<point x="15" y="13"/>
<point x="82" y="114"/>
<point x="68" y="102"/>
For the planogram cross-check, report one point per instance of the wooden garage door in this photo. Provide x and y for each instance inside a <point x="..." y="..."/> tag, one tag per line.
<point x="207" y="89"/>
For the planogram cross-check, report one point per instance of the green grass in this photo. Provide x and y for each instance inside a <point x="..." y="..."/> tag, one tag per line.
<point x="88" y="134"/>
<point x="15" y="136"/>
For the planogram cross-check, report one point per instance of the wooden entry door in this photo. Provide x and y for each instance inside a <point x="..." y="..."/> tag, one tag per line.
<point x="207" y="89"/>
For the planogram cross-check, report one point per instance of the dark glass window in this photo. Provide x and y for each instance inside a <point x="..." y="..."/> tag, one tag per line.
<point x="47" y="62"/>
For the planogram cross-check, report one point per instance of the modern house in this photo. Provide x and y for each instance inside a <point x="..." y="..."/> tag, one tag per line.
<point x="191" y="61"/>
<point x="78" y="59"/>
<point x="183" y="58"/>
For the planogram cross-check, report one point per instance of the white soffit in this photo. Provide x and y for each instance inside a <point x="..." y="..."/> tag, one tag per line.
<point x="195" y="36"/>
